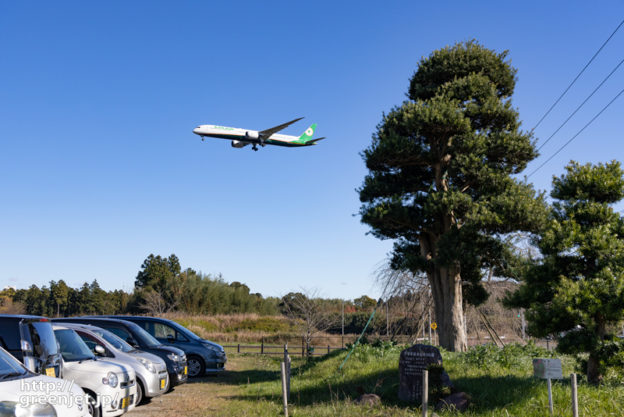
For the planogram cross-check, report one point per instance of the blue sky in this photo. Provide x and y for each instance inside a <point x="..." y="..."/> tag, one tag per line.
<point x="99" y="168"/>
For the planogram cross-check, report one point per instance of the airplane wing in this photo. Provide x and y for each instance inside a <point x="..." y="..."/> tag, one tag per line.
<point x="268" y="132"/>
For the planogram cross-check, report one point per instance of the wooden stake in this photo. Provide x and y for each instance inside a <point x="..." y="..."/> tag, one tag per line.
<point x="574" y="396"/>
<point x="284" y="393"/>
<point x="287" y="362"/>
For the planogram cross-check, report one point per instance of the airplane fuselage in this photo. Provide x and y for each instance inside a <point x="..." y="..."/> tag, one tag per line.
<point x="244" y="137"/>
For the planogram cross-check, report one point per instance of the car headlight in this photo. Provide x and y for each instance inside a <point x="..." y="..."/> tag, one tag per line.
<point x="110" y="379"/>
<point x="14" y="409"/>
<point x="174" y="357"/>
<point x="212" y="348"/>
<point x="148" y="364"/>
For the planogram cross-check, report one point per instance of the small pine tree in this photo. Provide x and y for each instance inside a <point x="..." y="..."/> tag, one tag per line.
<point x="576" y="291"/>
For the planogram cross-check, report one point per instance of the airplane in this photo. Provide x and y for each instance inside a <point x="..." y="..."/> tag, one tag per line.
<point x="244" y="137"/>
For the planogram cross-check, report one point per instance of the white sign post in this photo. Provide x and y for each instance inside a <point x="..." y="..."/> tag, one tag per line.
<point x="548" y="369"/>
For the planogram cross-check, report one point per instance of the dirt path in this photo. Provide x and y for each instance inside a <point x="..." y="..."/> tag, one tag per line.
<point x="199" y="397"/>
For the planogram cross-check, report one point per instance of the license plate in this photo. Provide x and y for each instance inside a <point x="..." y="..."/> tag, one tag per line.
<point x="185" y="370"/>
<point x="50" y="372"/>
<point x="162" y="383"/>
<point x="125" y="402"/>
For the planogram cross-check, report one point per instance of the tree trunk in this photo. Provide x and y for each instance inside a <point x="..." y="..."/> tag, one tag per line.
<point x="593" y="370"/>
<point x="446" y="290"/>
<point x="449" y="315"/>
<point x="594" y="374"/>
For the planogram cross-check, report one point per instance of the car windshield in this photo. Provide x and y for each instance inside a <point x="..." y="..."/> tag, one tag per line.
<point x="186" y="332"/>
<point x="9" y="366"/>
<point x="114" y="340"/>
<point x="73" y="348"/>
<point x="144" y="337"/>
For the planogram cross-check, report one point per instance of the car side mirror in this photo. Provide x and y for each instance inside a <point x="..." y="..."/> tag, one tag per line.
<point x="26" y="347"/>
<point x="99" y="350"/>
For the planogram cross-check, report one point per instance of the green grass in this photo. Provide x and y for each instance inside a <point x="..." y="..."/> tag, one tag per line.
<point x="500" y="383"/>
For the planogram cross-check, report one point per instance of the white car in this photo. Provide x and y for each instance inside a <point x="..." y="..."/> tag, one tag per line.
<point x="151" y="371"/>
<point x="24" y="393"/>
<point x="110" y="387"/>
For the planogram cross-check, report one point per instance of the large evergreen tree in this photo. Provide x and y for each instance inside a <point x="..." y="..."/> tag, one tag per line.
<point x="440" y="181"/>
<point x="576" y="291"/>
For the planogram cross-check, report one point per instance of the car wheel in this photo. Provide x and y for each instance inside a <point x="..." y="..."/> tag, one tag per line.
<point x="91" y="403"/>
<point x="196" y="366"/>
<point x="139" y="393"/>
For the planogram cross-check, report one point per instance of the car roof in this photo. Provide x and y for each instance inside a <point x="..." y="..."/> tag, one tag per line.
<point x="136" y="317"/>
<point x="21" y="316"/>
<point x="95" y="319"/>
<point x="73" y="325"/>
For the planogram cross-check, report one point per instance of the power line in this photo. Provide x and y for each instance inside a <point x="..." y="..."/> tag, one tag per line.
<point x="582" y="104"/>
<point x="578" y="75"/>
<point x="577" y="133"/>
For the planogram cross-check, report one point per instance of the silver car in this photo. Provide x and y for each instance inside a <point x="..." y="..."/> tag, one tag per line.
<point x="151" y="371"/>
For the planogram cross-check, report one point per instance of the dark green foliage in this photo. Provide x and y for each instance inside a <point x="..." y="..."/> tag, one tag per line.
<point x="61" y="300"/>
<point x="440" y="181"/>
<point x="510" y="356"/>
<point x="355" y="322"/>
<point x="576" y="291"/>
<point x="185" y="291"/>
<point x="365" y="303"/>
<point x="451" y="63"/>
<point x="191" y="292"/>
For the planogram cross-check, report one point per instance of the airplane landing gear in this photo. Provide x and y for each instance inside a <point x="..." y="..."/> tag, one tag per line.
<point x="254" y="147"/>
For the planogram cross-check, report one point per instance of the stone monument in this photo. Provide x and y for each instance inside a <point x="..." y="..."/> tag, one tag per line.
<point x="412" y="362"/>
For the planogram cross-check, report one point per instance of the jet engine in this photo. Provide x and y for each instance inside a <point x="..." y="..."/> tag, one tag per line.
<point x="239" y="144"/>
<point x="252" y="135"/>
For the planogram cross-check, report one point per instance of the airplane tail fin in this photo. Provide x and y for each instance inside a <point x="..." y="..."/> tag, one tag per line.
<point x="307" y="135"/>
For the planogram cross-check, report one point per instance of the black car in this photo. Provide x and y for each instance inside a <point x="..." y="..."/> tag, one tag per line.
<point x="140" y="339"/>
<point x="203" y="355"/>
<point x="31" y="340"/>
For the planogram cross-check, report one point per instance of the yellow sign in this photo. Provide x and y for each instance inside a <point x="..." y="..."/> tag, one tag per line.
<point x="162" y="383"/>
<point x="50" y="372"/>
<point x="434" y="325"/>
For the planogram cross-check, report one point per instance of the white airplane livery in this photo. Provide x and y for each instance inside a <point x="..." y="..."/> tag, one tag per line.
<point x="243" y="137"/>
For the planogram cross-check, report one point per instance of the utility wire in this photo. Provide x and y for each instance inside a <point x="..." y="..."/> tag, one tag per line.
<point x="582" y="104"/>
<point x="577" y="133"/>
<point x="578" y="75"/>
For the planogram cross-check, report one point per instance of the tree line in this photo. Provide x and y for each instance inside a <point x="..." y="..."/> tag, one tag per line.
<point x="161" y="286"/>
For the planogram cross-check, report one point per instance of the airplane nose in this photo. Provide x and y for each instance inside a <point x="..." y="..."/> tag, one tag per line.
<point x="196" y="131"/>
